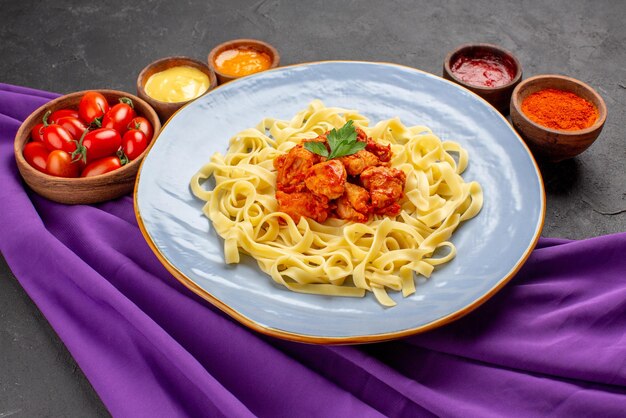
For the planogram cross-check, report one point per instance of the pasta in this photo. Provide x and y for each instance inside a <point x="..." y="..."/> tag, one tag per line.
<point x="339" y="257"/>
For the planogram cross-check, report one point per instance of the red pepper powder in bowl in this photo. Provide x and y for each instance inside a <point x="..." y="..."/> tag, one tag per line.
<point x="560" y="110"/>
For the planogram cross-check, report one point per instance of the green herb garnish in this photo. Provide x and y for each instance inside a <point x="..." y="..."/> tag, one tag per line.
<point x="341" y="142"/>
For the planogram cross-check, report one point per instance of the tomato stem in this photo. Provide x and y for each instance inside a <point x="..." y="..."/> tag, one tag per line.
<point x="96" y="123"/>
<point x="127" y="101"/>
<point x="45" y="118"/>
<point x="123" y="157"/>
<point x="81" y="151"/>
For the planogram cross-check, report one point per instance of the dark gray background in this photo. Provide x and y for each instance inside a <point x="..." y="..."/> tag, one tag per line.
<point x="65" y="46"/>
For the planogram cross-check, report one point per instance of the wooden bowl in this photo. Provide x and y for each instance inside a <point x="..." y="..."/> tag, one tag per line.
<point x="237" y="43"/>
<point x="499" y="97"/>
<point x="551" y="144"/>
<point x="88" y="189"/>
<point x="167" y="109"/>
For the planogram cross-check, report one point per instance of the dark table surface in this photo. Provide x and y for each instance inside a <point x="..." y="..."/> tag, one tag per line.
<point x="65" y="46"/>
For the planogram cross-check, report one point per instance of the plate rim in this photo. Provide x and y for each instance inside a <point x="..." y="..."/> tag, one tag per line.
<point x="340" y="340"/>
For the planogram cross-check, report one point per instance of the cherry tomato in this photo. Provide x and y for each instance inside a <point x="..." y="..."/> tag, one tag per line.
<point x="92" y="105"/>
<point x="73" y="125"/>
<point x="119" y="116"/>
<point x="99" y="143"/>
<point x="60" y="164"/>
<point x="55" y="137"/>
<point x="58" y="114"/>
<point x="36" y="154"/>
<point x="101" y="166"/>
<point x="142" y="124"/>
<point x="36" y="132"/>
<point x="134" y="143"/>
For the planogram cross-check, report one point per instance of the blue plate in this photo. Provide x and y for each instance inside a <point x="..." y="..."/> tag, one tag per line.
<point x="490" y="247"/>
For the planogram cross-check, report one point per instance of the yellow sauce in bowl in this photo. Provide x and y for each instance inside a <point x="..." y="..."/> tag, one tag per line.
<point x="241" y="61"/>
<point x="177" y="84"/>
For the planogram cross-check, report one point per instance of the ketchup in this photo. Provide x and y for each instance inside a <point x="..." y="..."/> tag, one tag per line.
<point x="485" y="70"/>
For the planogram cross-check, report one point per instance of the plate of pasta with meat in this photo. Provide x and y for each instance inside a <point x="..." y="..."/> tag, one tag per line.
<point x="341" y="202"/>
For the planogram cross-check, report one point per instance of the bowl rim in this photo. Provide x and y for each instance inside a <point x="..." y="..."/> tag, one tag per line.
<point x="251" y="42"/>
<point x="18" y="150"/>
<point x="600" y="106"/>
<point x="500" y="50"/>
<point x="192" y="61"/>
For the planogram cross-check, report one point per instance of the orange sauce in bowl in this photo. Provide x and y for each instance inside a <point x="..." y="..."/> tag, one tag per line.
<point x="241" y="61"/>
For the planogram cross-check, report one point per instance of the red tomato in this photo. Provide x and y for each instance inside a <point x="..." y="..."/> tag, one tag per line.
<point x="140" y="123"/>
<point x="73" y="125"/>
<point x="119" y="116"/>
<point x="36" y="132"/>
<point x="98" y="143"/>
<point x="60" y="164"/>
<point x="134" y="143"/>
<point x="55" y="137"/>
<point x="101" y="166"/>
<point x="92" y="105"/>
<point x="58" y="114"/>
<point x="36" y="154"/>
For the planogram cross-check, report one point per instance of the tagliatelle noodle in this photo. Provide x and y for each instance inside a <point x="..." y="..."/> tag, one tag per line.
<point x="339" y="257"/>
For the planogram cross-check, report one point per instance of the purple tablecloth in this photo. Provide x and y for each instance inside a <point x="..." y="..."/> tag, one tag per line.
<point x="552" y="342"/>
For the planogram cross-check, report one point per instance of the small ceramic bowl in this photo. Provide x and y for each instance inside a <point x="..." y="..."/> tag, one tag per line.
<point x="551" y="144"/>
<point x="87" y="189"/>
<point x="499" y="97"/>
<point x="241" y="43"/>
<point x="167" y="109"/>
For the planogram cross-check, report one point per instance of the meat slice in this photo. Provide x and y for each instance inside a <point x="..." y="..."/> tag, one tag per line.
<point x="326" y="179"/>
<point x="356" y="163"/>
<point x="386" y="186"/>
<point x="292" y="168"/>
<point x="382" y="152"/>
<point x="301" y="204"/>
<point x="354" y="204"/>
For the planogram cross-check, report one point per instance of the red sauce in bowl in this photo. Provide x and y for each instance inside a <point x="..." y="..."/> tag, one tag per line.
<point x="484" y="70"/>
